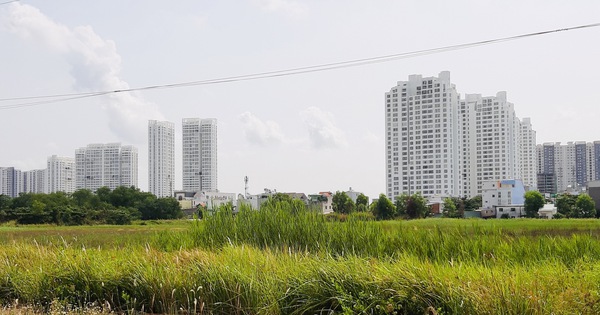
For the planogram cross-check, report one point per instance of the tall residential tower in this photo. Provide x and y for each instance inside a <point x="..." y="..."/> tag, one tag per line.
<point x="106" y="165"/>
<point x="439" y="145"/>
<point x="422" y="137"/>
<point x="161" y="158"/>
<point x="199" y="137"/>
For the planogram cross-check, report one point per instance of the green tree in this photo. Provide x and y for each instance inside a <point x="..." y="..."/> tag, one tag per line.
<point x="83" y="198"/>
<point x="534" y="201"/>
<point x="362" y="200"/>
<point x="450" y="208"/>
<point x="412" y="206"/>
<point x="473" y="203"/>
<point x="383" y="209"/>
<point x="5" y="202"/>
<point x="565" y="205"/>
<point x="341" y="203"/>
<point x="103" y="194"/>
<point x="585" y="207"/>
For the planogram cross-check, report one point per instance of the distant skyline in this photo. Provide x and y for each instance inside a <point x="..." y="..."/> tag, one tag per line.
<point x="308" y="133"/>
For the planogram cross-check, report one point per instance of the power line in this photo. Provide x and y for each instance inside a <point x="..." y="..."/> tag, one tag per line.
<point x="280" y="73"/>
<point x="7" y="2"/>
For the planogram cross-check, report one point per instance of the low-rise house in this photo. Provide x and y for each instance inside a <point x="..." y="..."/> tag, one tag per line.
<point x="323" y="200"/>
<point x="504" y="198"/>
<point x="547" y="211"/>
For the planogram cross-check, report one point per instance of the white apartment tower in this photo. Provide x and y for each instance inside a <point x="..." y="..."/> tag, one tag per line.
<point x="106" y="165"/>
<point x="439" y="145"/>
<point x="423" y="137"/>
<point x="61" y="174"/>
<point x="199" y="137"/>
<point x="10" y="182"/>
<point x="35" y="181"/>
<point x="491" y="135"/>
<point x="161" y="158"/>
<point x="528" y="154"/>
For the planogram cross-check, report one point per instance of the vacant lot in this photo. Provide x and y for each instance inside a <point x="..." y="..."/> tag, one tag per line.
<point x="278" y="262"/>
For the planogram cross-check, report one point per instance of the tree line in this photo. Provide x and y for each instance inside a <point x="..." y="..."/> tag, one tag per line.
<point x="404" y="206"/>
<point x="105" y="206"/>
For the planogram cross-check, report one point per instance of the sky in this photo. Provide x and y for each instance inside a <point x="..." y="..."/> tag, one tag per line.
<point x="311" y="132"/>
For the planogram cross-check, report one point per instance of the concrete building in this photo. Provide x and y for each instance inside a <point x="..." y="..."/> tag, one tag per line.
<point x="567" y="166"/>
<point x="528" y="162"/>
<point x="440" y="146"/>
<point x="106" y="165"/>
<point x="35" y="181"/>
<point x="322" y="200"/>
<point x="11" y="182"/>
<point x="422" y="137"/>
<point x="161" y="158"/>
<point x="199" y="155"/>
<point x="61" y="174"/>
<point x="492" y="144"/>
<point x="506" y="197"/>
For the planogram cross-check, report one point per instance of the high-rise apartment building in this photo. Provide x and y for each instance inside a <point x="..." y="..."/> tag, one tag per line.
<point x="106" y="165"/>
<point x="61" y="174"/>
<point x="199" y="156"/>
<point x="35" y="181"/>
<point x="161" y="158"/>
<point x="528" y="154"/>
<point x="440" y="145"/>
<point x="422" y="137"/>
<point x="10" y="182"/>
<point x="564" y="166"/>
<point x="496" y="144"/>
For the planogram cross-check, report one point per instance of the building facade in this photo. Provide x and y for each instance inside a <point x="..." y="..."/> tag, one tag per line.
<point x="11" y="182"/>
<point x="35" y="181"/>
<point x="106" y="165"/>
<point x="199" y="154"/>
<point x="440" y="145"/>
<point x="422" y="137"/>
<point x="567" y="166"/>
<point x="61" y="174"/>
<point x="161" y="158"/>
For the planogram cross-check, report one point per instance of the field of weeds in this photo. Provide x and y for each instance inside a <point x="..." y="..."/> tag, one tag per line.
<point x="278" y="261"/>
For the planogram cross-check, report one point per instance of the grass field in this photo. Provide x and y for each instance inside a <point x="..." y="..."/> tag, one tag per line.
<point x="277" y="262"/>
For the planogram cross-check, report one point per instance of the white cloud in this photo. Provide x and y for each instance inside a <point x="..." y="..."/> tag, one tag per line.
<point x="289" y="7"/>
<point x="262" y="133"/>
<point x="322" y="131"/>
<point x="95" y="66"/>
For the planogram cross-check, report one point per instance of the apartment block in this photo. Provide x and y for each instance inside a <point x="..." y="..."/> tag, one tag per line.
<point x="422" y="137"/>
<point x="440" y="145"/>
<point x="566" y="166"/>
<point x="61" y="174"/>
<point x="106" y="165"/>
<point x="35" y="181"/>
<point x="10" y="182"/>
<point x="161" y="158"/>
<point x="199" y="154"/>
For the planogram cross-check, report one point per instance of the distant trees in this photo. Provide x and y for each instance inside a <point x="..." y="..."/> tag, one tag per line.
<point x="362" y="203"/>
<point x="341" y="203"/>
<point x="383" y="209"/>
<point x="119" y="206"/>
<point x="534" y="201"/>
<point x="453" y="208"/>
<point x="576" y="206"/>
<point x="585" y="207"/>
<point x="412" y="206"/>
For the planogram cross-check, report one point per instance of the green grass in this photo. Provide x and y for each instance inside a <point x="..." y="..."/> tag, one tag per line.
<point x="284" y="262"/>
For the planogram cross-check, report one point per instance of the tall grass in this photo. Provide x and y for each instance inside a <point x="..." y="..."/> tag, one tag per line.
<point x="284" y="261"/>
<point x="246" y="280"/>
<point x="279" y="229"/>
